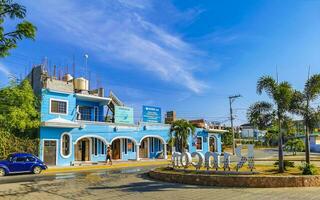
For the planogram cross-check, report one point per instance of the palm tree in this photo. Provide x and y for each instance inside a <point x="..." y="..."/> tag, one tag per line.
<point x="281" y="94"/>
<point x="301" y="106"/>
<point x="260" y="115"/>
<point x="179" y="133"/>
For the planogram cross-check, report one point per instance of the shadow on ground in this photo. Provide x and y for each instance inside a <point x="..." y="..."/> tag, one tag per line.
<point x="148" y="185"/>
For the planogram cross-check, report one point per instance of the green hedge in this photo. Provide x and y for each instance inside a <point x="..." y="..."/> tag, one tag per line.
<point x="9" y="143"/>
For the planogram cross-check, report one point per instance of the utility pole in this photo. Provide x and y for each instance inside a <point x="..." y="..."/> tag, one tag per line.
<point x="231" y="100"/>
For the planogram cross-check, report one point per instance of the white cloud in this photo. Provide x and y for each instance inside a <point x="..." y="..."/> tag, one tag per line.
<point x="5" y="71"/>
<point x="119" y="30"/>
<point x="4" y="75"/>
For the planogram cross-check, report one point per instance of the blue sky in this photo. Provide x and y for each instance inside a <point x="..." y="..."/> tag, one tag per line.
<point x="187" y="56"/>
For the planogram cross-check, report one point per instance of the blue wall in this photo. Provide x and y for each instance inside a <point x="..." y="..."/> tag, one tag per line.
<point x="107" y="132"/>
<point x="205" y="141"/>
<point x="45" y="105"/>
<point x="313" y="146"/>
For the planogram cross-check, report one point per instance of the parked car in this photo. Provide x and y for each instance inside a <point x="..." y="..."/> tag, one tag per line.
<point x="21" y="163"/>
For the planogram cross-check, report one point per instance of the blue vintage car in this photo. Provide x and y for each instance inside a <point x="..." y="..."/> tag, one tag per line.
<point x="21" y="163"/>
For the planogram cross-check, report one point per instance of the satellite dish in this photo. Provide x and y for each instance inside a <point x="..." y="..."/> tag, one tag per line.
<point x="86" y="56"/>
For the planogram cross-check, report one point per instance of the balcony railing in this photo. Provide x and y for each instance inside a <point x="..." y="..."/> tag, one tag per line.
<point x="93" y="118"/>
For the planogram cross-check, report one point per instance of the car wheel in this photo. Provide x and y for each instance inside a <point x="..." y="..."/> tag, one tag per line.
<point x="37" y="170"/>
<point x="2" y="172"/>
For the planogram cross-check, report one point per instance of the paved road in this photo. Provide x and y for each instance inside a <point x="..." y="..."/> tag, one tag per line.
<point x="130" y="184"/>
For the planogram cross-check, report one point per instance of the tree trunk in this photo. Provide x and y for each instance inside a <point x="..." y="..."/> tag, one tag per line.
<point x="280" y="153"/>
<point x="307" y="144"/>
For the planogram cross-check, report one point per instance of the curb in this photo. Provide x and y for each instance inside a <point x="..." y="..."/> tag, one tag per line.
<point x="103" y="167"/>
<point x="244" y="181"/>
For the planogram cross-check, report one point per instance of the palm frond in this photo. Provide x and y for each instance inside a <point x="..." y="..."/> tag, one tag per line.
<point x="267" y="84"/>
<point x="312" y="87"/>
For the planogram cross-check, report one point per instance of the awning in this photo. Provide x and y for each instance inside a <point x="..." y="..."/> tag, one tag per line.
<point x="93" y="98"/>
<point x="60" y="123"/>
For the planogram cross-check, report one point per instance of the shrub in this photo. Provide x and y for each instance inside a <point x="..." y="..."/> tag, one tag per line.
<point x="294" y="146"/>
<point x="308" y="169"/>
<point x="9" y="143"/>
<point x="286" y="163"/>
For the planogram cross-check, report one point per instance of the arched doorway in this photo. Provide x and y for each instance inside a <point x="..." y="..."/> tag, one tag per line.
<point x="152" y="147"/>
<point x="144" y="148"/>
<point x="115" y="148"/>
<point x="124" y="148"/>
<point x="212" y="144"/>
<point x="82" y="150"/>
<point x="88" y="146"/>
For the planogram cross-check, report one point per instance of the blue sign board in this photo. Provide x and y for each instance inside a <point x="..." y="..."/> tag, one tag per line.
<point x="123" y="115"/>
<point x="151" y="114"/>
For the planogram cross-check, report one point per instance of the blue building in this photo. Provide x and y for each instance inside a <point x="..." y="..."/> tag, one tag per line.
<point x="77" y="124"/>
<point x="314" y="142"/>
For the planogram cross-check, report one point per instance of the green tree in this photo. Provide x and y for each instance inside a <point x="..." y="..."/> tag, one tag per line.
<point x="301" y="106"/>
<point x="24" y="29"/>
<point x="19" y="119"/>
<point x="260" y="115"/>
<point x="19" y="109"/>
<point x="281" y="94"/>
<point x="179" y="133"/>
<point x="226" y="138"/>
<point x="294" y="146"/>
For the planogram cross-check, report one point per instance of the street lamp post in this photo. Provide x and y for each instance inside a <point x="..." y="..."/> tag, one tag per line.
<point x="231" y="100"/>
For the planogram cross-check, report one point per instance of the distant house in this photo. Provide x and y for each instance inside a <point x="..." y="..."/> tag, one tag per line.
<point x="247" y="131"/>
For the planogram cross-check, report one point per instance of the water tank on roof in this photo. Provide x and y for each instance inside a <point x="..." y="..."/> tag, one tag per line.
<point x="81" y="84"/>
<point x="67" y="77"/>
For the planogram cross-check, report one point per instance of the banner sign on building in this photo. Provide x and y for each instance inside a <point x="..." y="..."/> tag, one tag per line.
<point x="123" y="115"/>
<point x="151" y="114"/>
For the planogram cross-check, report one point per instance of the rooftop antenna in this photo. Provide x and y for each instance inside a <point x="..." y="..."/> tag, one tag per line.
<point x="73" y="66"/>
<point x="89" y="78"/>
<point x="60" y="70"/>
<point x="54" y="71"/>
<point x="86" y="56"/>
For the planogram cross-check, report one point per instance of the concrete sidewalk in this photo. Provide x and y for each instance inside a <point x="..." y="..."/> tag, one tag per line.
<point x="102" y="166"/>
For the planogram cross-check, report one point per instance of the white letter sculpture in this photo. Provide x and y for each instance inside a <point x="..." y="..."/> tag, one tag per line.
<point x="244" y="159"/>
<point x="185" y="159"/>
<point x="198" y="164"/>
<point x="176" y="159"/>
<point x="208" y="164"/>
<point x="226" y="161"/>
<point x="216" y="160"/>
<point x="250" y="157"/>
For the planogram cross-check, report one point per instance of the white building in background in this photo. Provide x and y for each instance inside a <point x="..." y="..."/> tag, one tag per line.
<point x="247" y="131"/>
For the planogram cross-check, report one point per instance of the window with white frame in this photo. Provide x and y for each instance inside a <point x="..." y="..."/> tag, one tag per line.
<point x="199" y="143"/>
<point x="58" y="106"/>
<point x="65" y="144"/>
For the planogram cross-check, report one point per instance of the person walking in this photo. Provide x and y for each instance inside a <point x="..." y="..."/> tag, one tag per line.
<point x="109" y="155"/>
